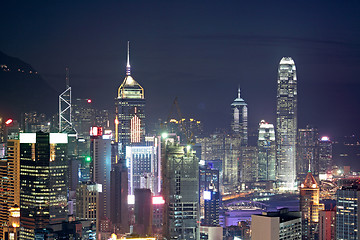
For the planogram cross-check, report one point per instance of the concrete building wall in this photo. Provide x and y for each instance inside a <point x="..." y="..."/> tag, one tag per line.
<point x="264" y="228"/>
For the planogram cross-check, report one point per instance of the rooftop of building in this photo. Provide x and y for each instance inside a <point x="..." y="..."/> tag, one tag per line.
<point x="238" y="101"/>
<point x="354" y="187"/>
<point x="309" y="181"/>
<point x="287" y="60"/>
<point x="284" y="214"/>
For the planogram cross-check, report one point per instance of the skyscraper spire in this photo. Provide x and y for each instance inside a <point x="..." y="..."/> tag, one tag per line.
<point x="239" y="91"/>
<point x="128" y="68"/>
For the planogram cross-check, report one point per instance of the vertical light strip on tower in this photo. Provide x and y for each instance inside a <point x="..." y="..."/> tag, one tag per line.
<point x="128" y="68"/>
<point x="65" y="107"/>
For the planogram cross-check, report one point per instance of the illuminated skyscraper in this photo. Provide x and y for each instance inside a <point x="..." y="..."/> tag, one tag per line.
<point x="307" y="152"/>
<point x="310" y="207"/>
<point x="142" y="169"/>
<point x="4" y="194"/>
<point x="130" y="113"/>
<point x="286" y="122"/>
<point x="240" y="118"/>
<point x="266" y="152"/>
<point x="325" y="155"/>
<point x="9" y="181"/>
<point x="347" y="212"/>
<point x="100" y="168"/>
<point x="43" y="169"/>
<point x="180" y="189"/>
<point x="209" y="195"/>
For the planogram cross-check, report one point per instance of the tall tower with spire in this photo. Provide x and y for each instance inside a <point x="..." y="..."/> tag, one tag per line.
<point x="239" y="123"/>
<point x="130" y="112"/>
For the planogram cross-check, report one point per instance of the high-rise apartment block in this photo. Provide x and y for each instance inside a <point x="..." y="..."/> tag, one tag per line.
<point x="266" y="164"/>
<point x="286" y="123"/>
<point x="180" y="189"/>
<point x="43" y="169"/>
<point x="310" y="207"/>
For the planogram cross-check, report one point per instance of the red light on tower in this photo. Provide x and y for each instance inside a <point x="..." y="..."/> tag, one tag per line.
<point x="9" y="121"/>
<point x="89" y="101"/>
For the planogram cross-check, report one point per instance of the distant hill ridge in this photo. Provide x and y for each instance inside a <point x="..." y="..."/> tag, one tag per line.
<point x="23" y="89"/>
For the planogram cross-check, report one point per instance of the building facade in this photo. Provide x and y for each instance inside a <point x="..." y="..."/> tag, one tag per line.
<point x="43" y="181"/>
<point x="209" y="193"/>
<point x="347" y="207"/>
<point x="286" y="123"/>
<point x="100" y="171"/>
<point x="119" y="215"/>
<point x="142" y="167"/>
<point x="325" y="155"/>
<point x="327" y="225"/>
<point x="266" y="164"/>
<point x="307" y="152"/>
<point x="279" y="225"/>
<point x="310" y="207"/>
<point x="180" y="189"/>
<point x="87" y="201"/>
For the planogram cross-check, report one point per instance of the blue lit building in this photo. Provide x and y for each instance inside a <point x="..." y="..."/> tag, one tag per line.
<point x="209" y="195"/>
<point x="347" y="207"/>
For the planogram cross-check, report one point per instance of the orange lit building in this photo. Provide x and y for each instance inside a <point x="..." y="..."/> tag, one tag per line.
<point x="310" y="206"/>
<point x="11" y="228"/>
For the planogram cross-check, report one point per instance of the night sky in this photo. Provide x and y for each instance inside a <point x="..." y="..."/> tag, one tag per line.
<point x="199" y="51"/>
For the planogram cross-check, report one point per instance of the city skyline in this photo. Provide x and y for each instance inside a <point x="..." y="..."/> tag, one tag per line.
<point x="225" y="120"/>
<point x="183" y="52"/>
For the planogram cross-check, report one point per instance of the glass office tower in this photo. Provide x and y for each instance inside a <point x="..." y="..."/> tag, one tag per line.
<point x="286" y="123"/>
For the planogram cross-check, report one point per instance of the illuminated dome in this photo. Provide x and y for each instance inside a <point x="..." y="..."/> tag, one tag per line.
<point x="287" y="60"/>
<point x="130" y="89"/>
